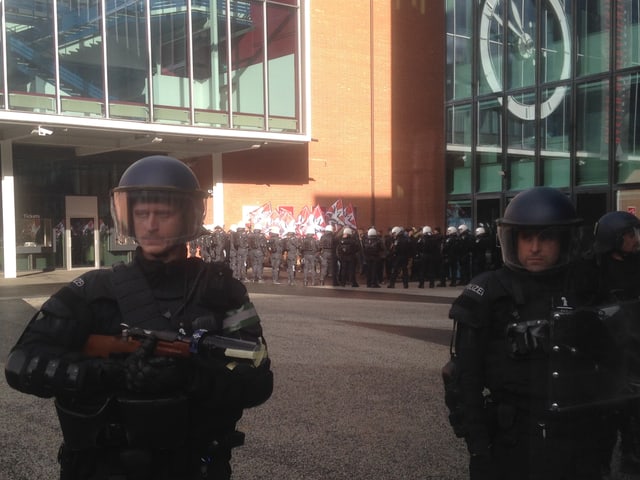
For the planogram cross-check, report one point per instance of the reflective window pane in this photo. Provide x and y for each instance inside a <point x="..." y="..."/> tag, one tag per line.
<point x="490" y="122"/>
<point x="458" y="172"/>
<point x="555" y="39"/>
<point x="491" y="34"/>
<point x="31" y="58"/>
<point x="459" y="125"/>
<point x="282" y="67"/>
<point x="459" y="48"/>
<point x="627" y="134"/>
<point x="593" y="26"/>
<point x="555" y="122"/>
<point x="169" y="53"/>
<point x="592" y="133"/>
<point x="521" y="131"/>
<point x="490" y="173"/>
<point x="522" y="169"/>
<point x="247" y="69"/>
<point x="128" y="68"/>
<point x="627" y="38"/>
<point x="521" y="63"/>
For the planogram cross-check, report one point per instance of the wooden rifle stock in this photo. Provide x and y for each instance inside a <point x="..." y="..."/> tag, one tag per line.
<point x="105" y="345"/>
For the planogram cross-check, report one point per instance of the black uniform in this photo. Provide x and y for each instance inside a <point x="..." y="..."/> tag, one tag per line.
<point x="139" y="417"/>
<point x="400" y="252"/>
<point x="346" y="252"/>
<point x="373" y="249"/>
<point x="506" y="402"/>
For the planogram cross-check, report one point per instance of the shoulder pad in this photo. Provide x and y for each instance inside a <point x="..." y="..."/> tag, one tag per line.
<point x="472" y="305"/>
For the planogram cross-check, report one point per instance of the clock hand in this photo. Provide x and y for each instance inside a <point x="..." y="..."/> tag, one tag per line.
<point x="516" y="16"/>
<point x="519" y="32"/>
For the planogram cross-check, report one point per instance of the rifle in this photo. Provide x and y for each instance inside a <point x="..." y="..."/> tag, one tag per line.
<point x="174" y="344"/>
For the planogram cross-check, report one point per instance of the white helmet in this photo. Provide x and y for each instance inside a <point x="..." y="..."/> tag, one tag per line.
<point x="372" y="232"/>
<point x="396" y="230"/>
<point x="463" y="228"/>
<point x="480" y="231"/>
<point x="328" y="228"/>
<point x="347" y="231"/>
<point x="452" y="230"/>
<point x="426" y="230"/>
<point x="233" y="227"/>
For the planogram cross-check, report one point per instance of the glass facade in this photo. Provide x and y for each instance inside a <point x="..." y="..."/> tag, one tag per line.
<point x="213" y="63"/>
<point x="543" y="92"/>
<point x="227" y="68"/>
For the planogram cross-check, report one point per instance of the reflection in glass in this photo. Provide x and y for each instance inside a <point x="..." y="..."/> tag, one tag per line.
<point x="627" y="134"/>
<point x="490" y="172"/>
<point x="593" y="21"/>
<point x="521" y="171"/>
<point x="521" y="60"/>
<point x="592" y="133"/>
<point x="459" y="48"/>
<point x="490" y="122"/>
<point x="127" y="62"/>
<point x="627" y="37"/>
<point x="459" y="125"/>
<point x="521" y="131"/>
<point x="31" y="58"/>
<point x="555" y="128"/>
<point x="458" y="172"/>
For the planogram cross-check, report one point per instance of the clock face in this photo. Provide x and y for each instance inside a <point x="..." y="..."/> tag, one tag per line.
<point x="513" y="23"/>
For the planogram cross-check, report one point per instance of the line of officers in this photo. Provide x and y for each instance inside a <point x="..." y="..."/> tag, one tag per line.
<point x="342" y="255"/>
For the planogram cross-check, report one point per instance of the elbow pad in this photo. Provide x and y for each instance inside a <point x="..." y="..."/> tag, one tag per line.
<point x="47" y="377"/>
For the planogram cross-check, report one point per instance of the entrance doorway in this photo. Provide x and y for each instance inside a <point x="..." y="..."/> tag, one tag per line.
<point x="81" y="233"/>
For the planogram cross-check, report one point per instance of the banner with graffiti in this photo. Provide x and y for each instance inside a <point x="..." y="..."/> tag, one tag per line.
<point x="282" y="219"/>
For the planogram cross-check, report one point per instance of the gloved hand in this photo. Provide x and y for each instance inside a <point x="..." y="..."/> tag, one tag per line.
<point x="147" y="374"/>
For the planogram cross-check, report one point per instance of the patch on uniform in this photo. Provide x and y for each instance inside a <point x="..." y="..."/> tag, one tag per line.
<point x="477" y="289"/>
<point x="78" y="282"/>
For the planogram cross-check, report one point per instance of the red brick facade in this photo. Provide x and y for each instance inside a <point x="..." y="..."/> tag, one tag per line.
<point x="377" y="96"/>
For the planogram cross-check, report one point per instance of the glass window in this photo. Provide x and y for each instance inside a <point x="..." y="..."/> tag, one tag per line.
<point x="491" y="47"/>
<point x="169" y="53"/>
<point x="556" y="171"/>
<point x="247" y="69"/>
<point x="555" y="123"/>
<point x="459" y="125"/>
<point x="81" y="59"/>
<point x="127" y="62"/>
<point x="458" y="212"/>
<point x="521" y="170"/>
<point x="592" y="133"/>
<point x="521" y="131"/>
<point x="210" y="61"/>
<point x="627" y="38"/>
<point x="459" y="48"/>
<point x="521" y="60"/>
<point x="555" y="39"/>
<point x="459" y="172"/>
<point x="593" y="20"/>
<point x="490" y="122"/>
<point x="282" y="67"/>
<point x="627" y="134"/>
<point x="31" y="67"/>
<point x="490" y="172"/>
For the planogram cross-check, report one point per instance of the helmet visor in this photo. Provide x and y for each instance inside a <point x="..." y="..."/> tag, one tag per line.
<point x="539" y="249"/>
<point x="157" y="219"/>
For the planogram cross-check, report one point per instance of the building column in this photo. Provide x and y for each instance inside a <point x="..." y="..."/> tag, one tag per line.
<point x="217" y="192"/>
<point x="8" y="210"/>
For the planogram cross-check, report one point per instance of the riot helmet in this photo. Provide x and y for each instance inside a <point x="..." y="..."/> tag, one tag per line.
<point x="451" y="231"/>
<point x="397" y="230"/>
<point x="426" y="230"/>
<point x="161" y="180"/>
<point x="546" y="214"/>
<point x="610" y="230"/>
<point x="372" y="232"/>
<point x="480" y="231"/>
<point x="347" y="231"/>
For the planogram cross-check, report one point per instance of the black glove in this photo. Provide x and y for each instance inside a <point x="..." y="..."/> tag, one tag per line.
<point x="147" y="374"/>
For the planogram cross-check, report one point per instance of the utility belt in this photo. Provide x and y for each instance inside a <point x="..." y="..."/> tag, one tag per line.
<point x="123" y="421"/>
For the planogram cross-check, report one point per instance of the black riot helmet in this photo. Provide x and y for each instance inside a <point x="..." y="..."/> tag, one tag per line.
<point x="540" y="210"/>
<point x="610" y="230"/>
<point x="159" y="179"/>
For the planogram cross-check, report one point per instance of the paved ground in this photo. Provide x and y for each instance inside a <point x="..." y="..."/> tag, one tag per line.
<point x="357" y="387"/>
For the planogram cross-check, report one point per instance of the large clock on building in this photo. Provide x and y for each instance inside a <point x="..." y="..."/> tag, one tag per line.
<point x="509" y="44"/>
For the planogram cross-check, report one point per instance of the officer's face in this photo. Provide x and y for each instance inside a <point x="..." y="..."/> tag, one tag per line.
<point x="157" y="226"/>
<point x="630" y="242"/>
<point x="538" y="250"/>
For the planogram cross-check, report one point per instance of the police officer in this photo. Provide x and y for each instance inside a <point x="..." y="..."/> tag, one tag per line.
<point x="241" y="243"/>
<point x="450" y="256"/>
<point x="482" y="251"/>
<point x="347" y="251"/>
<point x="274" y="247"/>
<point x="466" y="242"/>
<point x="512" y="387"/>
<point x="309" y="251"/>
<point x="373" y="250"/>
<point x="219" y="245"/>
<point x="257" y="244"/>
<point x="140" y="416"/>
<point x="327" y="255"/>
<point x="290" y="246"/>
<point x="617" y="253"/>
<point x="400" y="253"/>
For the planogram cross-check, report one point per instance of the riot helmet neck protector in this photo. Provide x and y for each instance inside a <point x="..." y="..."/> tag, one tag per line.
<point x="540" y="231"/>
<point x="159" y="205"/>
